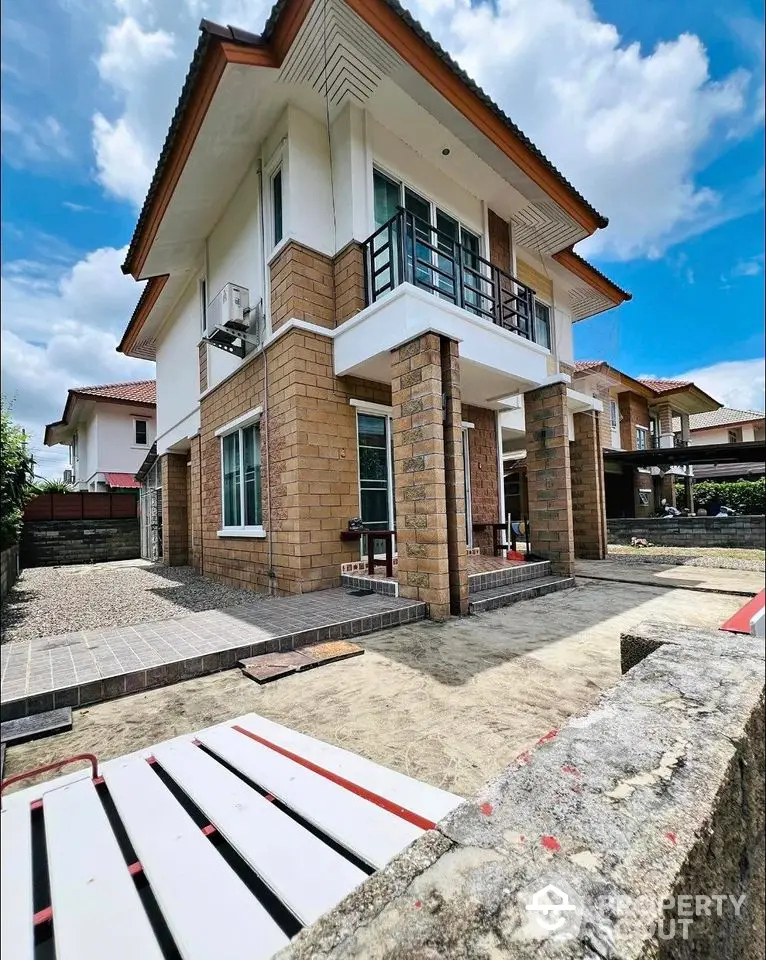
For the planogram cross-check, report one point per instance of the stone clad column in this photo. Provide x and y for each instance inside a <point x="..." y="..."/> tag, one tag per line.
<point x="667" y="436"/>
<point x="587" y="473"/>
<point x="549" y="488"/>
<point x="175" y="526"/>
<point x="454" y="478"/>
<point x="419" y="481"/>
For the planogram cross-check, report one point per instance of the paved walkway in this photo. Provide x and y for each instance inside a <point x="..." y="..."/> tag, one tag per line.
<point x="743" y="583"/>
<point x="76" y="669"/>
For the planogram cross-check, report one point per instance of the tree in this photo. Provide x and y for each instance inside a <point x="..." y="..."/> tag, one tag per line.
<point x="16" y="473"/>
<point x="53" y="486"/>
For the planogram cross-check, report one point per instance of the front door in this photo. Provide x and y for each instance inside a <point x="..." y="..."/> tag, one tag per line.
<point x="376" y="489"/>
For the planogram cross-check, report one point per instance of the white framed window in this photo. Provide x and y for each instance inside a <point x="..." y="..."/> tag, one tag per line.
<point x="203" y="305"/>
<point x="642" y="438"/>
<point x="241" y="502"/>
<point x="141" y="432"/>
<point x="613" y="414"/>
<point x="542" y="324"/>
<point x="644" y="497"/>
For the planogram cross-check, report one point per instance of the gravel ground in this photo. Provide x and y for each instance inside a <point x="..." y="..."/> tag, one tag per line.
<point x="722" y="557"/>
<point x="50" y="600"/>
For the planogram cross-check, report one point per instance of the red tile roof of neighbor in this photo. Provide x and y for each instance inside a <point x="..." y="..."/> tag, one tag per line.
<point x="582" y="365"/>
<point x="136" y="391"/>
<point x="662" y="386"/>
<point x="122" y="480"/>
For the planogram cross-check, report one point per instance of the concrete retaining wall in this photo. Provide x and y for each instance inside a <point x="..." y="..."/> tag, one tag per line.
<point x="652" y="800"/>
<point x="691" y="531"/>
<point x="53" y="542"/>
<point x="9" y="568"/>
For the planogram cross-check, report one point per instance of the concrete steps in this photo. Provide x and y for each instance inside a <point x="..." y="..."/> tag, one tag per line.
<point x="477" y="582"/>
<point x="505" y="595"/>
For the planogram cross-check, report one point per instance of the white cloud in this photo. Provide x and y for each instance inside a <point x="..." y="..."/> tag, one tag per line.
<point x="60" y="329"/>
<point x="736" y="383"/>
<point x="748" y="268"/>
<point x="32" y="141"/>
<point x="140" y="66"/>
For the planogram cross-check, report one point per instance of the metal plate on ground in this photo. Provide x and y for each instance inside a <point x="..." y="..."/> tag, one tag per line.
<point x="272" y="666"/>
<point x="38" y="725"/>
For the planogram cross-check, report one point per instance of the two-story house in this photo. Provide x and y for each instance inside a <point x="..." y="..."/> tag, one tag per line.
<point x="109" y="429"/>
<point x="641" y="414"/>
<point x="356" y="265"/>
<point x="726" y="425"/>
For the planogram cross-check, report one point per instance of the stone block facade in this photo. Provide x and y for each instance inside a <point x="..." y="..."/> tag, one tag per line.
<point x="419" y="480"/>
<point x="634" y="412"/>
<point x="588" y="500"/>
<point x="691" y="531"/>
<point x="482" y="453"/>
<point x="549" y="489"/>
<point x="348" y="276"/>
<point x="310" y="486"/>
<point x="454" y="478"/>
<point x="58" y="542"/>
<point x="302" y="286"/>
<point x="175" y="525"/>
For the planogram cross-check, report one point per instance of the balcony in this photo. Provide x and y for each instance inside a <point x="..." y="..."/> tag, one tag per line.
<point x="420" y="280"/>
<point x="407" y="249"/>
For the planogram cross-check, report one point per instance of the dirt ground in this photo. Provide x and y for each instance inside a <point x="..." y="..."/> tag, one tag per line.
<point x="449" y="704"/>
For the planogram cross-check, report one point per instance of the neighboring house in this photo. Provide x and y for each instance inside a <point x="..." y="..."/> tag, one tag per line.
<point x="641" y="414"/>
<point x="108" y="429"/>
<point x="356" y="266"/>
<point x="726" y="425"/>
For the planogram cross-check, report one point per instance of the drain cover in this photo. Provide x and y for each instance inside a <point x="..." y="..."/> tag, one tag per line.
<point x="360" y="593"/>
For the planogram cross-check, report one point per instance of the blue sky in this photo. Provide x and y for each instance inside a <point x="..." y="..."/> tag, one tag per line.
<point x="654" y="110"/>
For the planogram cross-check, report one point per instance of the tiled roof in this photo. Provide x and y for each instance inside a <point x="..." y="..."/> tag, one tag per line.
<point x="663" y="386"/>
<point x="720" y="418"/>
<point x="135" y="391"/>
<point x="122" y="480"/>
<point x="582" y="366"/>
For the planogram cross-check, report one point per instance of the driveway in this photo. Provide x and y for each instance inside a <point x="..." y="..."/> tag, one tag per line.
<point x="449" y="704"/>
<point x="47" y="601"/>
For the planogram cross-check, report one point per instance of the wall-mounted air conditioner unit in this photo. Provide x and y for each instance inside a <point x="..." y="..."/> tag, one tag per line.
<point x="227" y="319"/>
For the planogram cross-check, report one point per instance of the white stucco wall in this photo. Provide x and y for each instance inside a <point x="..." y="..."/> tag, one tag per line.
<point x="90" y="447"/>
<point x="118" y="451"/>
<point x="178" y="371"/>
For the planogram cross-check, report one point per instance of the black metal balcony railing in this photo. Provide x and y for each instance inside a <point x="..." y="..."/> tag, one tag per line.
<point x="407" y="248"/>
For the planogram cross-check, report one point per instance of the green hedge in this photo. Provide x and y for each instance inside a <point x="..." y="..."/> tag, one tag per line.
<point x="15" y="476"/>
<point x="744" y="496"/>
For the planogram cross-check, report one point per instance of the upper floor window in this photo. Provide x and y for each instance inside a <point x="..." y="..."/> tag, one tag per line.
<point x="241" y="477"/>
<point x="203" y="305"/>
<point x="141" y="433"/>
<point x="613" y="414"/>
<point x="735" y="436"/>
<point x="543" y="324"/>
<point x="277" y="228"/>
<point x="642" y="436"/>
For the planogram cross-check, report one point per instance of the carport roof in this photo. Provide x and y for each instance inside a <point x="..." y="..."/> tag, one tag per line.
<point x="750" y="452"/>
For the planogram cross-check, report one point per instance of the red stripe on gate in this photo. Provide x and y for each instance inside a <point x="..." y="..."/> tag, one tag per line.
<point x="382" y="802"/>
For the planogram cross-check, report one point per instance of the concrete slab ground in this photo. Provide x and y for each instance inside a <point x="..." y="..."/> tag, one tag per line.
<point x="451" y="704"/>
<point x="743" y="583"/>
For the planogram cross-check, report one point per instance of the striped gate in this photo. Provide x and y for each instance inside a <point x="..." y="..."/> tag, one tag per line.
<point x="221" y="844"/>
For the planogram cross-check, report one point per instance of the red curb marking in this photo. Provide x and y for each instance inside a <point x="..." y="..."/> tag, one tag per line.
<point x="546" y="738"/>
<point x="550" y="843"/>
<point x="524" y="757"/>
<point x="672" y="837"/>
<point x="486" y="809"/>
<point x="568" y="768"/>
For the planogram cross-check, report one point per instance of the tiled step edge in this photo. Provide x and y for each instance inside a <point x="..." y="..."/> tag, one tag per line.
<point x="499" y="597"/>
<point x="352" y="581"/>
<point x="508" y="575"/>
<point x="110" y="688"/>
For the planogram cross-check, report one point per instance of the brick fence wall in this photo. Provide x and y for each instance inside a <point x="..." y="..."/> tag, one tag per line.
<point x="9" y="568"/>
<point x="52" y="542"/>
<point x="691" y="531"/>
